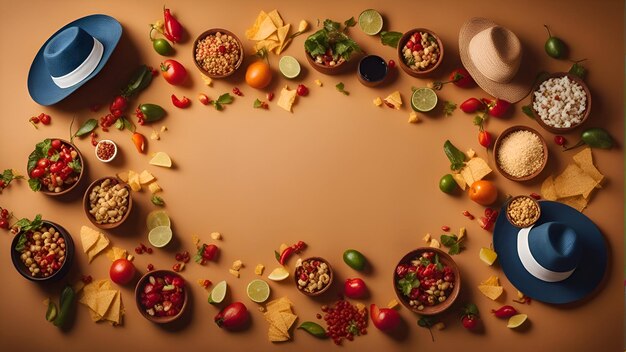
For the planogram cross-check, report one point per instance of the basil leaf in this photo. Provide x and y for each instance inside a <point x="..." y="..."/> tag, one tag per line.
<point x="454" y="249"/>
<point x="528" y="110"/>
<point x="35" y="224"/>
<point x="340" y="87"/>
<point x="351" y="22"/>
<point x="225" y="98"/>
<point x="34" y="184"/>
<point x="21" y="242"/>
<point x="456" y="157"/>
<point x="87" y="127"/>
<point x="448" y="241"/>
<point x="448" y="108"/>
<point x="390" y="38"/>
<point x="33" y="158"/>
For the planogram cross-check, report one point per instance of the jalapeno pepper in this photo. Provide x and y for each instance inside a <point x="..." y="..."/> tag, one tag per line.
<point x="180" y="103"/>
<point x="150" y="112"/>
<point x="173" y="28"/>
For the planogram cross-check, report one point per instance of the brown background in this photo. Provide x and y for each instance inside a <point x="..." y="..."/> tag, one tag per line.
<point x="337" y="173"/>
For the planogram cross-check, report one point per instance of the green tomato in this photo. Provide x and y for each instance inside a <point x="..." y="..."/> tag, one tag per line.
<point x="162" y="46"/>
<point x="354" y="259"/>
<point x="554" y="46"/>
<point x="447" y="184"/>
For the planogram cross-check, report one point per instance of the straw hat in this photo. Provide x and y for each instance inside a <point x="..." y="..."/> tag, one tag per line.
<point x="493" y="56"/>
<point x="71" y="57"/>
<point x="561" y="259"/>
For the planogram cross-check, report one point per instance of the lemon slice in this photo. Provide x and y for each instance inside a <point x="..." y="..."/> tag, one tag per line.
<point x="278" y="274"/>
<point x="488" y="255"/>
<point x="157" y="218"/>
<point x="371" y="22"/>
<point x="289" y="66"/>
<point x="258" y="291"/>
<point x="516" y="321"/>
<point x="218" y="293"/>
<point x="161" y="159"/>
<point x="423" y="99"/>
<point x="160" y="236"/>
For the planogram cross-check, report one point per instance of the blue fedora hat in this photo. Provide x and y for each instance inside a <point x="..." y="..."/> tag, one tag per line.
<point x="71" y="57"/>
<point x="561" y="259"/>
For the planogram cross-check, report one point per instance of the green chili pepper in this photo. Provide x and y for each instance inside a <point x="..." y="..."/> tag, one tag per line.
<point x="595" y="138"/>
<point x="139" y="81"/>
<point x="152" y="112"/>
<point x="456" y="157"/>
<point x="65" y="305"/>
<point x="51" y="313"/>
<point x="313" y="329"/>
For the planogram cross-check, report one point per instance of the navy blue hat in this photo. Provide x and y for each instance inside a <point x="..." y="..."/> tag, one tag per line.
<point x="561" y="259"/>
<point x="72" y="56"/>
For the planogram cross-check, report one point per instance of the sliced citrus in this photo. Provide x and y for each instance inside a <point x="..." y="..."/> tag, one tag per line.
<point x="488" y="255"/>
<point x="278" y="274"/>
<point x="160" y="236"/>
<point x="371" y="22"/>
<point x="157" y="218"/>
<point x="289" y="66"/>
<point x="423" y="99"/>
<point x="161" y="159"/>
<point x="258" y="291"/>
<point x="218" y="293"/>
<point x="516" y="321"/>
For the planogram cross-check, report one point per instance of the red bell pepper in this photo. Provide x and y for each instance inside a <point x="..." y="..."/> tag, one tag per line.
<point x="173" y="28"/>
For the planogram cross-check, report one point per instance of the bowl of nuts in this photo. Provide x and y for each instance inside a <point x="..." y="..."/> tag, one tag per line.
<point x="427" y="281"/>
<point x="161" y="296"/>
<point x="420" y="51"/>
<point x="54" y="167"/>
<point x="217" y="53"/>
<point x="313" y="276"/>
<point x="523" y="211"/>
<point x="108" y="202"/>
<point x="106" y="150"/>
<point x="42" y="250"/>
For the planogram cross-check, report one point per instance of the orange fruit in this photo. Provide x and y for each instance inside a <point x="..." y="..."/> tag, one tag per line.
<point x="258" y="74"/>
<point x="483" y="192"/>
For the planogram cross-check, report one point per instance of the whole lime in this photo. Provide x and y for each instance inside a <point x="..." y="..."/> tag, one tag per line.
<point x="447" y="184"/>
<point x="162" y="46"/>
<point x="355" y="259"/>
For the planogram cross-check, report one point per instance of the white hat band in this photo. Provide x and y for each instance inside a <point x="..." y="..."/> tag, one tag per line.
<point x="84" y="69"/>
<point x="530" y="263"/>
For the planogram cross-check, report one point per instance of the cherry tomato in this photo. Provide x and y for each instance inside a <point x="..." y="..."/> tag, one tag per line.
<point x="469" y="321"/>
<point x="384" y="319"/>
<point x="233" y="317"/>
<point x="391" y="64"/>
<point x="173" y="72"/>
<point x="461" y="78"/>
<point x="56" y="144"/>
<point x="497" y="107"/>
<point x="483" y="192"/>
<point x="45" y="119"/>
<point x="4" y="224"/>
<point x="484" y="138"/>
<point x="258" y="74"/>
<point x="302" y="90"/>
<point x="122" y="271"/>
<point x="43" y="163"/>
<point x="57" y="167"/>
<point x="37" y="172"/>
<point x="4" y="214"/>
<point x="210" y="251"/>
<point x="355" y="288"/>
<point x="471" y="105"/>
<point x="559" y="140"/>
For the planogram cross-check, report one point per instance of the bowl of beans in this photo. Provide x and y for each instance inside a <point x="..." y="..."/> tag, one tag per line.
<point x="523" y="211"/>
<point x="420" y="51"/>
<point x="217" y="53"/>
<point x="55" y="167"/>
<point x="561" y="102"/>
<point x="427" y="281"/>
<point x="107" y="202"/>
<point x="520" y="153"/>
<point x="106" y="150"/>
<point x="313" y="276"/>
<point x="42" y="251"/>
<point x="161" y="296"/>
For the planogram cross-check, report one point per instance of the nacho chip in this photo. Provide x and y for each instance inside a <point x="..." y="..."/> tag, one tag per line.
<point x="470" y="153"/>
<point x="281" y="33"/>
<point x="577" y="202"/>
<point x="133" y="181"/>
<point x="491" y="288"/>
<point x="584" y="160"/>
<point x="460" y="180"/>
<point x="88" y="237"/>
<point x="275" y="335"/>
<point x="115" y="253"/>
<point x="208" y="81"/>
<point x="154" y="187"/>
<point x="466" y="173"/>
<point x="287" y="98"/>
<point x="123" y="176"/>
<point x="478" y="167"/>
<point x="258" y="270"/>
<point x="145" y="177"/>
<point x="547" y="189"/>
<point x="275" y="17"/>
<point x="266" y="28"/>
<point x="573" y="181"/>
<point x="280" y="316"/>
<point x="100" y="245"/>
<point x="251" y="32"/>
<point x="113" y="314"/>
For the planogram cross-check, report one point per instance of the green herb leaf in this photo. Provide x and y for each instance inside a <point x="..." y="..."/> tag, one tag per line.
<point x="478" y="120"/>
<point x="21" y="242"/>
<point x="408" y="283"/>
<point x="87" y="127"/>
<point x="578" y="70"/>
<point x="119" y="124"/>
<point x="140" y="80"/>
<point x="350" y="22"/>
<point x="24" y="225"/>
<point x="390" y="38"/>
<point x="340" y="87"/>
<point x="127" y="124"/>
<point x="225" y="98"/>
<point x="448" y="240"/>
<point x="198" y="256"/>
<point x="425" y="322"/>
<point x="34" y="184"/>
<point x="257" y="104"/>
<point x="438" y="263"/>
<point x="448" y="108"/>
<point x="331" y="38"/>
<point x="528" y="110"/>
<point x="8" y="176"/>
<point x="313" y="329"/>
<point x="331" y="26"/>
<point x="75" y="165"/>
<point x="470" y="309"/>
<point x="277" y="255"/>
<point x="456" y="157"/>
<point x="156" y="200"/>
<point x="54" y="157"/>
<point x="455" y="249"/>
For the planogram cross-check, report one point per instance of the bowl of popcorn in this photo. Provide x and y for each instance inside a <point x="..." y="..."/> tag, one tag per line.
<point x="313" y="276"/>
<point x="520" y="153"/>
<point x="420" y="51"/>
<point x="107" y="202"/>
<point x="523" y="211"/>
<point x="561" y="102"/>
<point x="217" y="53"/>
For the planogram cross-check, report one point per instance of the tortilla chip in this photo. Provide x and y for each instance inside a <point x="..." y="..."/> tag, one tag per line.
<point x="145" y="177"/>
<point x="275" y="335"/>
<point x="584" y="160"/>
<point x="491" y="288"/>
<point x="573" y="181"/>
<point x="267" y="44"/>
<point x="133" y="181"/>
<point x="266" y="28"/>
<point x="116" y="253"/>
<point x="458" y="178"/>
<point x="287" y="98"/>
<point x="100" y="245"/>
<point x="123" y="176"/>
<point x="88" y="237"/>
<point x="282" y="47"/>
<point x="282" y="304"/>
<point x="282" y="32"/>
<point x="275" y="17"/>
<point x="113" y="314"/>
<point x="577" y="202"/>
<point x="547" y="189"/>
<point x="251" y="32"/>
<point x="478" y="167"/>
<point x="154" y="187"/>
<point x="466" y="173"/>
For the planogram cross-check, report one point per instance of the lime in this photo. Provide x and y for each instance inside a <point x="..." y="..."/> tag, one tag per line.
<point x="157" y="218"/>
<point x="160" y="236"/>
<point x="488" y="255"/>
<point x="354" y="259"/>
<point x="423" y="99"/>
<point x="278" y="274"/>
<point x="447" y="184"/>
<point x="161" y="159"/>
<point x="370" y="21"/>
<point x="218" y="293"/>
<point x="516" y="320"/>
<point x="289" y="66"/>
<point x="258" y="291"/>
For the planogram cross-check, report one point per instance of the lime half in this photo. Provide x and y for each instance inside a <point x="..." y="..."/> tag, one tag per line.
<point x="258" y="291"/>
<point x="160" y="236"/>
<point x="157" y="218"/>
<point x="370" y="21"/>
<point x="423" y="99"/>
<point x="218" y="293"/>
<point x="289" y="66"/>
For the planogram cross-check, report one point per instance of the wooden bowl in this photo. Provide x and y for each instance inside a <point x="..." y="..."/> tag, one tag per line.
<point x="365" y="69"/>
<point x="444" y="259"/>
<point x="559" y="130"/>
<point x="214" y="31"/>
<point x="514" y="223"/>
<point x="421" y="73"/>
<point x="87" y="203"/>
<point x="139" y="288"/>
<point x="498" y="145"/>
<point x="21" y="267"/>
<point x="44" y="188"/>
<point x="327" y="70"/>
<point x="299" y="268"/>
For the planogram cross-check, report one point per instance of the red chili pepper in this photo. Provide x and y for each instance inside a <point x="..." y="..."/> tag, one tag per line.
<point x="140" y="142"/>
<point x="484" y="139"/>
<point x="287" y="252"/>
<point x="173" y="28"/>
<point x="504" y="312"/>
<point x="496" y="107"/>
<point x="180" y="103"/>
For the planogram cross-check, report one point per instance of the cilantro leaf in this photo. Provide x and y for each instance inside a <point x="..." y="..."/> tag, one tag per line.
<point x="438" y="263"/>
<point x="340" y="87"/>
<point x="350" y="22"/>
<point x="390" y="38"/>
<point x="198" y="256"/>
<point x="331" y="26"/>
<point x="448" y="108"/>
<point x="156" y="200"/>
<point x="8" y="176"/>
<point x="448" y="241"/>
<point x="528" y="110"/>
<point x="330" y="38"/>
<point x="21" y="242"/>
<point x="408" y="283"/>
<point x="455" y="249"/>
<point x="24" y="225"/>
<point x="257" y="104"/>
<point x="75" y="165"/>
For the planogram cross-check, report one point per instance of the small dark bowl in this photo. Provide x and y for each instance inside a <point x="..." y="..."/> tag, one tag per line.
<point x="496" y="149"/>
<point x="405" y="38"/>
<point x="558" y="130"/>
<point x="63" y="270"/>
<point x="213" y="31"/>
<point x="533" y="200"/>
<point x="87" y="205"/>
<point x="45" y="190"/>
<point x="444" y="259"/>
<point x="372" y="70"/>
<point x="327" y="70"/>
<point x="139" y="287"/>
<point x="325" y="288"/>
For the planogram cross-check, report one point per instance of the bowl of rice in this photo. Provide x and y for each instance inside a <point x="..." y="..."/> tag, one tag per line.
<point x="520" y="153"/>
<point x="561" y="102"/>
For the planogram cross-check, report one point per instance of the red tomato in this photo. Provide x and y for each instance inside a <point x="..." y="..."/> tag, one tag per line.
<point x="484" y="138"/>
<point x="122" y="271"/>
<point x="471" y="105"/>
<point x="233" y="317"/>
<point x="302" y="90"/>
<point x="355" y="288"/>
<point x="384" y="319"/>
<point x="461" y="78"/>
<point x="469" y="321"/>
<point x="173" y="72"/>
<point x="210" y="252"/>
<point x="497" y="107"/>
<point x="56" y="144"/>
<point x="37" y="172"/>
<point x="43" y="163"/>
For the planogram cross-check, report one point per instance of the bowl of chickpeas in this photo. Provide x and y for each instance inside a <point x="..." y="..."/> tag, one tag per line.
<point x="523" y="211"/>
<point x="420" y="52"/>
<point x="42" y="251"/>
<point x="313" y="276"/>
<point x="217" y="53"/>
<point x="107" y="202"/>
